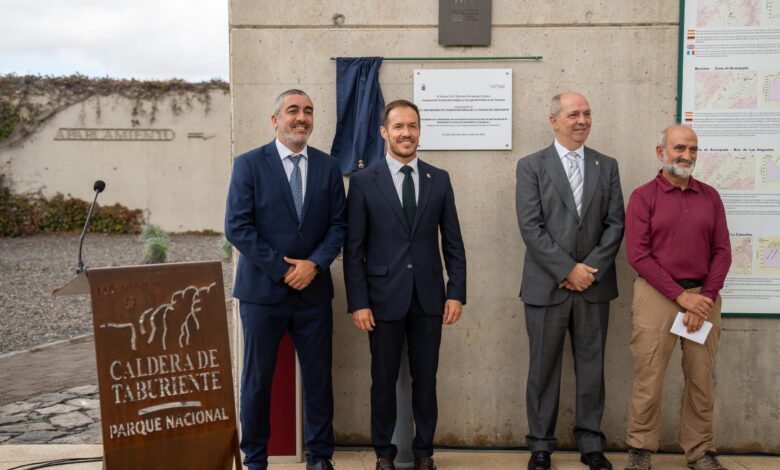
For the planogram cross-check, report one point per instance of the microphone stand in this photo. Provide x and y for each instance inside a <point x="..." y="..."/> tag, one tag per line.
<point x="81" y="268"/>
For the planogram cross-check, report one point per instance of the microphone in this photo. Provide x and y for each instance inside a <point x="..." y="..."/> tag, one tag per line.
<point x="98" y="187"/>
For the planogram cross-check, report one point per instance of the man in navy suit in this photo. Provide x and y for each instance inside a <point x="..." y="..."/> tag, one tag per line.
<point x="285" y="215"/>
<point x="393" y="273"/>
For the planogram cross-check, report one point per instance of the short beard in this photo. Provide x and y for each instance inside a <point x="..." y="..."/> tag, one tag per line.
<point x="295" y="139"/>
<point x="684" y="173"/>
<point x="398" y="153"/>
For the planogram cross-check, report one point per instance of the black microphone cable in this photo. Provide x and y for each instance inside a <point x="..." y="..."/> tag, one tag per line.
<point x="98" y="187"/>
<point x="56" y="463"/>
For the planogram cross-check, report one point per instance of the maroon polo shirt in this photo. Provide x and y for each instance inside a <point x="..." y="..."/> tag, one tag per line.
<point x="673" y="234"/>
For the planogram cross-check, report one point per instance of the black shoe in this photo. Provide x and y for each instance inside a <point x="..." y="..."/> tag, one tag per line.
<point x="325" y="464"/>
<point x="384" y="464"/>
<point x="596" y="461"/>
<point x="424" y="463"/>
<point x="540" y="460"/>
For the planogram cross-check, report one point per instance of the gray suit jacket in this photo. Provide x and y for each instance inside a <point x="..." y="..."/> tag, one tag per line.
<point x="556" y="238"/>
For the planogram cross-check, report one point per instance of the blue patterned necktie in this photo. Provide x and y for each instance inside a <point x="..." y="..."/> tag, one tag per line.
<point x="296" y="184"/>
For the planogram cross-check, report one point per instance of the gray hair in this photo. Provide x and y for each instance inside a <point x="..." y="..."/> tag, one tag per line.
<point x="662" y="138"/>
<point x="662" y="135"/>
<point x="280" y="98"/>
<point x="555" y="105"/>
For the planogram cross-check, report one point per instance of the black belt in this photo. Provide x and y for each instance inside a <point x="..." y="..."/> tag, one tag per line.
<point x="689" y="283"/>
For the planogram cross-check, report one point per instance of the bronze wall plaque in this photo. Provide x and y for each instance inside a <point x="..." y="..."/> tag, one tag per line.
<point x="465" y="22"/>
<point x="164" y="373"/>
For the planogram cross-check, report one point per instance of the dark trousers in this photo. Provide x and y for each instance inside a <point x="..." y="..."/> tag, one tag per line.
<point x="311" y="329"/>
<point x="547" y="327"/>
<point x="423" y="336"/>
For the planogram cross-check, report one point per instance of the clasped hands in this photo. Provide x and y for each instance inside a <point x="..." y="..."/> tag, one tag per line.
<point x="697" y="309"/>
<point x="300" y="273"/>
<point x="579" y="278"/>
<point x="363" y="319"/>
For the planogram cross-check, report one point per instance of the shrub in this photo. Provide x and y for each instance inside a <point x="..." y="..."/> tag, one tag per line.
<point x="152" y="231"/>
<point x="8" y="119"/>
<point x="156" y="250"/>
<point x="227" y="248"/>
<point x="29" y="214"/>
<point x="156" y="243"/>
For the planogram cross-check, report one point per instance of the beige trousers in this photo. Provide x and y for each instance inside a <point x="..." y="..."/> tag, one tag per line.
<point x="651" y="346"/>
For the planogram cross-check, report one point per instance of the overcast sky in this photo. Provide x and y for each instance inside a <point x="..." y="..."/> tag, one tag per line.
<point x="145" y="39"/>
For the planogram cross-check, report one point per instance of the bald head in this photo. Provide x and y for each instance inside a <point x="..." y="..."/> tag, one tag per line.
<point x="555" y="102"/>
<point x="675" y="128"/>
<point x="570" y="118"/>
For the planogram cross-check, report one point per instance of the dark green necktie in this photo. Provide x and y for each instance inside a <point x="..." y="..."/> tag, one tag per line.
<point x="407" y="195"/>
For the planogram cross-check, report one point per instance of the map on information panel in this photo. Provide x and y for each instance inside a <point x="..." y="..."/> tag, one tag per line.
<point x="732" y="89"/>
<point x="741" y="255"/>
<point x="728" y="13"/>
<point x="730" y="95"/>
<point x="726" y="170"/>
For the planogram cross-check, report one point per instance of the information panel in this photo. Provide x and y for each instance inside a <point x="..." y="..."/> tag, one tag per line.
<point x="730" y="94"/>
<point x="464" y="109"/>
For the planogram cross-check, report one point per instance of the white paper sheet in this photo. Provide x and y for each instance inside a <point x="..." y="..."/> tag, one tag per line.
<point x="681" y="330"/>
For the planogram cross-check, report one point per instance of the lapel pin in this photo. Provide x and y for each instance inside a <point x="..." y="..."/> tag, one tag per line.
<point x="428" y="175"/>
<point x="597" y="162"/>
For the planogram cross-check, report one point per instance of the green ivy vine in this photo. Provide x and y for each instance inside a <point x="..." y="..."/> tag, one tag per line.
<point x="27" y="101"/>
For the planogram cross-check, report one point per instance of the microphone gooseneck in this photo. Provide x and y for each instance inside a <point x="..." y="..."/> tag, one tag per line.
<point x="98" y="187"/>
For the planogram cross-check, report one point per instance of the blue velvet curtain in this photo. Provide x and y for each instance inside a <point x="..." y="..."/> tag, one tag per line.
<point x="359" y="106"/>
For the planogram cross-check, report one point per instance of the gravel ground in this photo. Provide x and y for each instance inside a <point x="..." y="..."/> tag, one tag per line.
<point x="32" y="267"/>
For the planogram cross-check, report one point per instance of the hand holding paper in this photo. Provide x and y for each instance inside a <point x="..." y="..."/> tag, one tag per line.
<point x="681" y="330"/>
<point x="692" y="321"/>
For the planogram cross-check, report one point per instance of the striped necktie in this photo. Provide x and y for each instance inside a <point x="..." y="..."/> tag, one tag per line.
<point x="575" y="179"/>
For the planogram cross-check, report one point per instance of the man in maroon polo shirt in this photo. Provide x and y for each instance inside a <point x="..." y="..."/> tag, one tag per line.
<point x="678" y="242"/>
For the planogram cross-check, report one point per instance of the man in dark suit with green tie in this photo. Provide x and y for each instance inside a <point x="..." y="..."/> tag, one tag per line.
<point x="396" y="210"/>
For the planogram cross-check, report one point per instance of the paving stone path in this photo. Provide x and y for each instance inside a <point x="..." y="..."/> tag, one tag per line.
<point x="48" y="394"/>
<point x="71" y="416"/>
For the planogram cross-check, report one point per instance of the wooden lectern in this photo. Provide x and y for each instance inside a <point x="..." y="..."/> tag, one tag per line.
<point x="164" y="372"/>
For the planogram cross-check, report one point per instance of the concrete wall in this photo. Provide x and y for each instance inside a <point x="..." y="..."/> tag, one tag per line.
<point x="622" y="56"/>
<point x="180" y="182"/>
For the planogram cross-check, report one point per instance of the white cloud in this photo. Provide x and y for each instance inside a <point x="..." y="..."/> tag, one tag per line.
<point x="122" y="39"/>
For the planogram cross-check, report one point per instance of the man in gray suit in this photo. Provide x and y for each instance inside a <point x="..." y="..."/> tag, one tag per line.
<point x="570" y="212"/>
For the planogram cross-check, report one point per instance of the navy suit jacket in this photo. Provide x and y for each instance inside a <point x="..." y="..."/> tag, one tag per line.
<point x="261" y="222"/>
<point x="384" y="258"/>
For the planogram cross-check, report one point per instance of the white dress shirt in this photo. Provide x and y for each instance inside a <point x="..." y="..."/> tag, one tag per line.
<point x="562" y="151"/>
<point x="398" y="177"/>
<point x="284" y="154"/>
